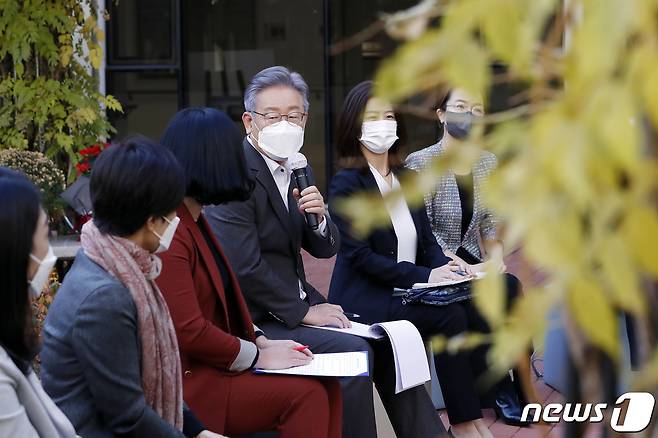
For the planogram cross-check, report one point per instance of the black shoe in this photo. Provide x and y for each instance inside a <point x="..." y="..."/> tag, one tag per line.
<point x="508" y="407"/>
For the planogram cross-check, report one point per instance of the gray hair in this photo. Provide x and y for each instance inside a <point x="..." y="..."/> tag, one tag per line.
<point x="273" y="77"/>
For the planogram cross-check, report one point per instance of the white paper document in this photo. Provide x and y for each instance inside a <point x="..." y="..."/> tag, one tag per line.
<point x="478" y="275"/>
<point x="350" y="364"/>
<point x="408" y="349"/>
<point x="411" y="365"/>
<point x="357" y="329"/>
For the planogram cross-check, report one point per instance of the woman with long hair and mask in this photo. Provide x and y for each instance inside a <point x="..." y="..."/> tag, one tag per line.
<point x="26" y="260"/>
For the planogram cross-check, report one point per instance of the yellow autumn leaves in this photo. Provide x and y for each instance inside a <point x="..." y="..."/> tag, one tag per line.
<point x="92" y="35"/>
<point x="577" y="181"/>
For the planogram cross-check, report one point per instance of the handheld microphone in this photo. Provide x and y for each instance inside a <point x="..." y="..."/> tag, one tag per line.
<point x="298" y="165"/>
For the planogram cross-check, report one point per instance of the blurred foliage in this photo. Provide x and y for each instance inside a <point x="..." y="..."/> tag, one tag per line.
<point x="49" y="99"/>
<point x="576" y="185"/>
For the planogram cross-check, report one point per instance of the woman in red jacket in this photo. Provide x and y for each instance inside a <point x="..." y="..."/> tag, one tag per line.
<point x="219" y="345"/>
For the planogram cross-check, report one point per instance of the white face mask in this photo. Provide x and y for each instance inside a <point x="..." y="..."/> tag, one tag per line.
<point x="168" y="235"/>
<point x="379" y="135"/>
<point x="42" y="275"/>
<point x="280" y="140"/>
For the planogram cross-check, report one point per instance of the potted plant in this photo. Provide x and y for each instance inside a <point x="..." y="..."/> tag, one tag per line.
<point x="43" y="172"/>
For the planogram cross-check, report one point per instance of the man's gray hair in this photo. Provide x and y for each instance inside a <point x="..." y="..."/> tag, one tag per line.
<point x="274" y="77"/>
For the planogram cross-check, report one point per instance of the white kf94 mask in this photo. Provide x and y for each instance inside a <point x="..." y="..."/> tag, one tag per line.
<point x="168" y="235"/>
<point x="42" y="275"/>
<point x="379" y="135"/>
<point x="281" y="140"/>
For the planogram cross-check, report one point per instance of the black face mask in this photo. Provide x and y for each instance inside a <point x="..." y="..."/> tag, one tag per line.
<point x="459" y="125"/>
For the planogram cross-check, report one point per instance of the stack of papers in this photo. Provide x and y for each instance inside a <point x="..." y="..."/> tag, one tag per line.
<point x="478" y="275"/>
<point x="408" y="349"/>
<point x="357" y="329"/>
<point x="354" y="363"/>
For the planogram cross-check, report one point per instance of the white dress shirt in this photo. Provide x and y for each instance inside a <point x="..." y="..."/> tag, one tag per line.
<point x="403" y="223"/>
<point x="282" y="176"/>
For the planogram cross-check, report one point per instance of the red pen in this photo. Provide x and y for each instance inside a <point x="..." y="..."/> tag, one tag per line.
<point x="301" y="348"/>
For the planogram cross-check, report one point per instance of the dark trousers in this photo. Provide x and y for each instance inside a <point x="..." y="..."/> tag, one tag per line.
<point x="457" y="373"/>
<point x="411" y="412"/>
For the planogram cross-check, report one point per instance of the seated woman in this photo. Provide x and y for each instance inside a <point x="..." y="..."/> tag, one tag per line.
<point x="463" y="227"/>
<point x="368" y="269"/>
<point x="26" y="260"/>
<point x="218" y="341"/>
<point x="110" y="358"/>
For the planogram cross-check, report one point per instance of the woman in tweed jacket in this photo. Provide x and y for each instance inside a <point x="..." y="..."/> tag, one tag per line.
<point x="445" y="211"/>
<point x="461" y="224"/>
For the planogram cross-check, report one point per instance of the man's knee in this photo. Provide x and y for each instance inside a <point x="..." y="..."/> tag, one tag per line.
<point x="360" y="344"/>
<point x="343" y="342"/>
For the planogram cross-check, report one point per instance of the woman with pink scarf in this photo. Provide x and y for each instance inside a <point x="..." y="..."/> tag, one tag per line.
<point x="110" y="357"/>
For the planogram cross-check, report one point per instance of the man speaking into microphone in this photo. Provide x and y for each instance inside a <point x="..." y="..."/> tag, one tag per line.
<point x="263" y="237"/>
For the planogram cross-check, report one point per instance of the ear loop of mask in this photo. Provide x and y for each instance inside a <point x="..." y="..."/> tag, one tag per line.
<point x="156" y="233"/>
<point x="251" y="134"/>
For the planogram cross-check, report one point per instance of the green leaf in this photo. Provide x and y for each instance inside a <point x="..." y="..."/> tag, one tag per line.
<point x="96" y="57"/>
<point x="65" y="53"/>
<point x="112" y="103"/>
<point x="63" y="140"/>
<point x="58" y="108"/>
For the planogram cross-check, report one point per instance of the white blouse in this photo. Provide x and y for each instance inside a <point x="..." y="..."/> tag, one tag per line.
<point x="403" y="223"/>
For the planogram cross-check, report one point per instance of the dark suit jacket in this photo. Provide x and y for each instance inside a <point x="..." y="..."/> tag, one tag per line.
<point x="208" y="322"/>
<point x="367" y="270"/>
<point x="262" y="239"/>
